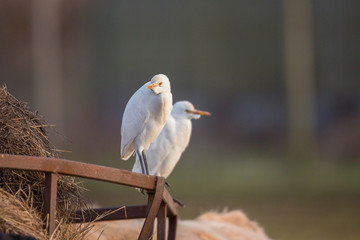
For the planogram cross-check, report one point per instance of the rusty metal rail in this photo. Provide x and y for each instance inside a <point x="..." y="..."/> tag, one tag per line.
<point x="160" y="203"/>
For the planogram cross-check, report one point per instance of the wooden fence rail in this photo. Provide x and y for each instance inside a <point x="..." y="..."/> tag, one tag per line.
<point x="160" y="203"/>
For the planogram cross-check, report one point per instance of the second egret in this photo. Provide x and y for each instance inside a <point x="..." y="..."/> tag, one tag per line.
<point x="164" y="153"/>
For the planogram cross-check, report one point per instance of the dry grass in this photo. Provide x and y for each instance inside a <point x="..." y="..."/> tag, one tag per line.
<point x="24" y="132"/>
<point x="19" y="216"/>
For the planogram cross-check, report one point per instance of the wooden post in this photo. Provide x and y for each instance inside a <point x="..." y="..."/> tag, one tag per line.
<point x="150" y="202"/>
<point x="50" y="192"/>
<point x="147" y="229"/>
<point x="172" y="227"/>
<point x="161" y="221"/>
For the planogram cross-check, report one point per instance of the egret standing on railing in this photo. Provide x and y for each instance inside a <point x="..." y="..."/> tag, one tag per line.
<point x="164" y="153"/>
<point x="144" y="117"/>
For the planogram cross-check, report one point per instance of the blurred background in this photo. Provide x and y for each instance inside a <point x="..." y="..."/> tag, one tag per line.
<point x="281" y="79"/>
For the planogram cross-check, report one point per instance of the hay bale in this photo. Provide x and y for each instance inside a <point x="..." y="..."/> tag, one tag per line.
<point x="19" y="217"/>
<point x="24" y="132"/>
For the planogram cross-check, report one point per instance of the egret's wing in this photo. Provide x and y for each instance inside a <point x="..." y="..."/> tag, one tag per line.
<point x="134" y="119"/>
<point x="159" y="149"/>
<point x="180" y="140"/>
<point x="170" y="162"/>
<point x="162" y="146"/>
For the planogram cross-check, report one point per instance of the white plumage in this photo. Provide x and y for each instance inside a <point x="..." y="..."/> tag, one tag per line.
<point x="164" y="153"/>
<point x="144" y="117"/>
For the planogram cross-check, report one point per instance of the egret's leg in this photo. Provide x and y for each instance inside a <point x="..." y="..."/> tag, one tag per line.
<point x="141" y="161"/>
<point x="142" y="168"/>
<point x="146" y="165"/>
<point x="168" y="184"/>
<point x="178" y="202"/>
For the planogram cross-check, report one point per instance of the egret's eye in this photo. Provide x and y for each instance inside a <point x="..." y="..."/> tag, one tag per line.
<point x="160" y="83"/>
<point x="187" y="111"/>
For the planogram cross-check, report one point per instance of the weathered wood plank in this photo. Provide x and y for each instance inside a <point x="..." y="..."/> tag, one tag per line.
<point x="78" y="169"/>
<point x="50" y="194"/>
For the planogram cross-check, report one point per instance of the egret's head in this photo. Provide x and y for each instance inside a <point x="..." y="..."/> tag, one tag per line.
<point x="187" y="110"/>
<point x="159" y="83"/>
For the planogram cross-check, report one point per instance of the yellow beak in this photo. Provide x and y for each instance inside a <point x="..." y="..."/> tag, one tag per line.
<point x="199" y="112"/>
<point x="152" y="85"/>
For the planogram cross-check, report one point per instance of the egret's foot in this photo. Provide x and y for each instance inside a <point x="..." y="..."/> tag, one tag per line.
<point x="168" y="184"/>
<point x="142" y="191"/>
<point x="179" y="202"/>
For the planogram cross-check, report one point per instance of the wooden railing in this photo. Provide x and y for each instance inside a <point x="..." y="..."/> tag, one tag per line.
<point x="160" y="204"/>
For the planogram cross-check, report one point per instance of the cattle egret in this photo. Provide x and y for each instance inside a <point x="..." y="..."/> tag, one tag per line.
<point x="164" y="153"/>
<point x="144" y="117"/>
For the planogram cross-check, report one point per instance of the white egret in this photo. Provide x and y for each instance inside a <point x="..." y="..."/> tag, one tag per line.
<point x="144" y="117"/>
<point x="164" y="153"/>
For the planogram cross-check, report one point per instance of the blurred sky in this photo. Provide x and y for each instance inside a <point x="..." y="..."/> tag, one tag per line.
<point x="226" y="57"/>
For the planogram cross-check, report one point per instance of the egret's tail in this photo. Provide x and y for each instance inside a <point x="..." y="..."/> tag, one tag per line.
<point x="127" y="150"/>
<point x="126" y="155"/>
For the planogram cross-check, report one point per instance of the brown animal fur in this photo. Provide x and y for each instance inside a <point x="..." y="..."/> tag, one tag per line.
<point x="233" y="225"/>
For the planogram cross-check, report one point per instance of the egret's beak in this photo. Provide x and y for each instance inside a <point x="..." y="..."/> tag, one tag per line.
<point x="153" y="85"/>
<point x="198" y="112"/>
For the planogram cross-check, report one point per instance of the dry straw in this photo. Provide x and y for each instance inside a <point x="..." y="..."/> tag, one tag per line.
<point x="24" y="132"/>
